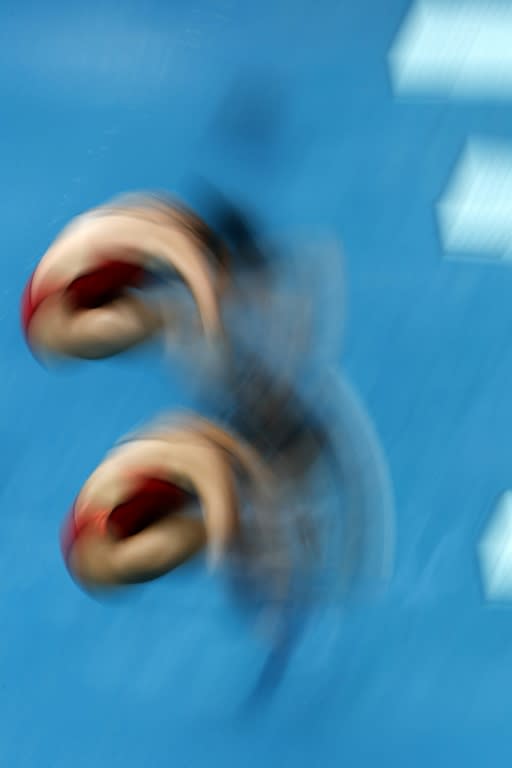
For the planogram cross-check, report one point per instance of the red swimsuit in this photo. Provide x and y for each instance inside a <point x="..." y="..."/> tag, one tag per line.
<point x="94" y="289"/>
<point x="152" y="500"/>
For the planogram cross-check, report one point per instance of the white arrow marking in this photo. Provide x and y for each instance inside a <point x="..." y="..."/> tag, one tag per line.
<point x="455" y="50"/>
<point x="495" y="552"/>
<point x="475" y="213"/>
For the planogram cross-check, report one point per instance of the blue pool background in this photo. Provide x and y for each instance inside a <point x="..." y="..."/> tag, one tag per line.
<point x="100" y="98"/>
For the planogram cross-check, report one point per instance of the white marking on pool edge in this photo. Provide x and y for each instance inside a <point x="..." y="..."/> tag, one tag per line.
<point x="458" y="50"/>
<point x="475" y="212"/>
<point x="495" y="552"/>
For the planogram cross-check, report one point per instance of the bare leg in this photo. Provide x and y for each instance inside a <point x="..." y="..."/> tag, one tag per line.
<point x="158" y="549"/>
<point x="96" y="333"/>
<point x="106" y="561"/>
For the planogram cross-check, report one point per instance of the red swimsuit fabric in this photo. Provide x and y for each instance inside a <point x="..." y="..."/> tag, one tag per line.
<point x="151" y="501"/>
<point x="94" y="289"/>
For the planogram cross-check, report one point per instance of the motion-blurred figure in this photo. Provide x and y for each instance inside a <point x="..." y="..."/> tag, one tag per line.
<point x="89" y="295"/>
<point x="281" y="479"/>
<point x="158" y="498"/>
